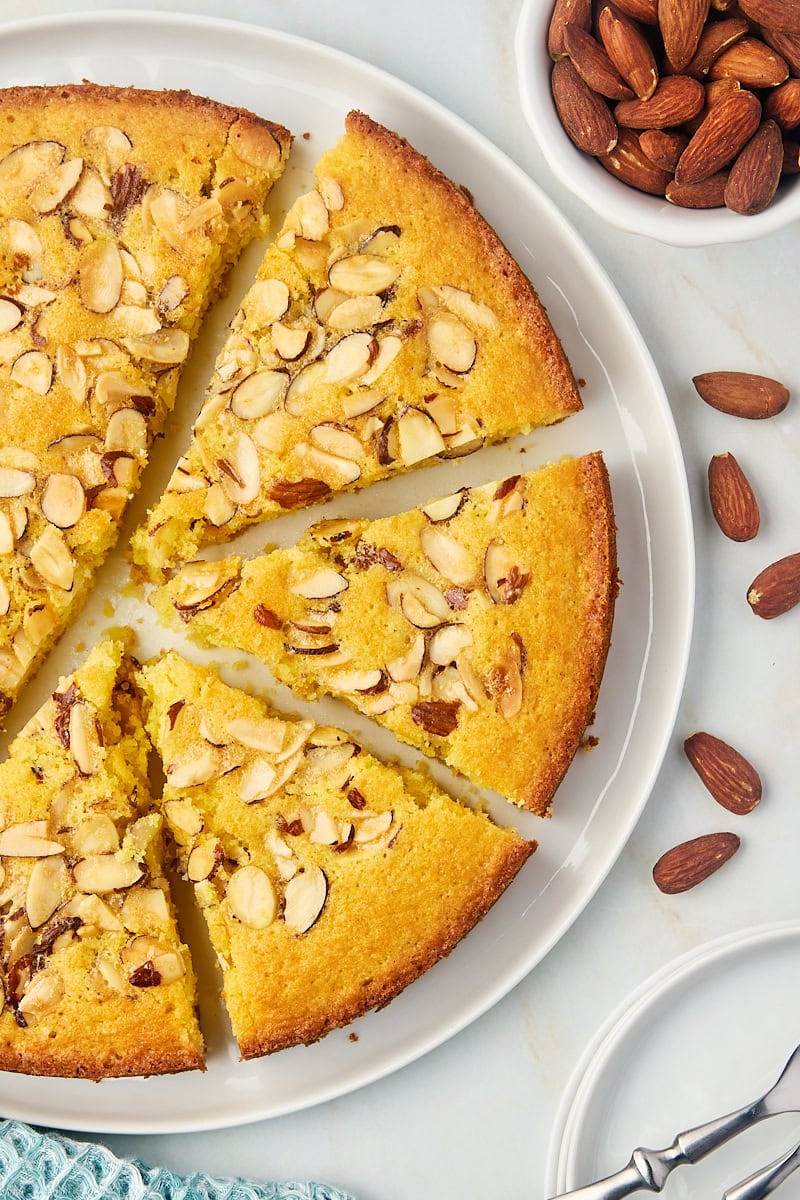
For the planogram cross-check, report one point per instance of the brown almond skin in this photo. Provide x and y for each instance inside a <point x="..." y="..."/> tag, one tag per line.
<point x="775" y="14"/>
<point x="791" y="157"/>
<point x="787" y="45"/>
<point x="628" y="162"/>
<point x="629" y="51"/>
<point x="752" y="62"/>
<point x="716" y="37"/>
<point x="691" y="862"/>
<point x="663" y="146"/>
<point x="594" y="66"/>
<point x="677" y="98"/>
<point x="732" y="500"/>
<point x="741" y="394"/>
<point x="783" y="105"/>
<point x="585" y="115"/>
<point x="776" y="589"/>
<point x="645" y="11"/>
<point x="730" y="778"/>
<point x="566" y="12"/>
<point x="727" y="128"/>
<point x="681" y="23"/>
<point x="756" y="173"/>
<point x="709" y="193"/>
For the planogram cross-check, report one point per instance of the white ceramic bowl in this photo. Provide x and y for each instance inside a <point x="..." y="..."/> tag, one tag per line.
<point x="616" y="202"/>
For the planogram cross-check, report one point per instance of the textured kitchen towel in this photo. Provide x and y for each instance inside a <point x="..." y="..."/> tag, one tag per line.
<point x="39" y="1166"/>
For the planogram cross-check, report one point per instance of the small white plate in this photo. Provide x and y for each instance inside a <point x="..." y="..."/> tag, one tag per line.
<point x="310" y="88"/>
<point x="706" y="1035"/>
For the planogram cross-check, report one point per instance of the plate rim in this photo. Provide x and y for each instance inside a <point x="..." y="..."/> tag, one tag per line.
<point x="398" y="88"/>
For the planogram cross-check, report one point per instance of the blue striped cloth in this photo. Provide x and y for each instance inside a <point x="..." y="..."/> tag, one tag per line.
<point x="39" y="1166"/>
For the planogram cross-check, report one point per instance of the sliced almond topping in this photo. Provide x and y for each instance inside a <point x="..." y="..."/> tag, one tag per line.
<point x="357" y="681"/>
<point x="323" y="463"/>
<point x="184" y="816"/>
<point x="443" y="411"/>
<point x="100" y="276"/>
<point x="24" y="243"/>
<point x="14" y="482"/>
<point x="388" y="349"/>
<point x="472" y="681"/>
<point x="33" y="370"/>
<point x="102" y="873"/>
<point x="52" y="558"/>
<point x="54" y="187"/>
<point x="360" y="402"/>
<point x="304" y="899"/>
<point x="240" y="473"/>
<point x="10" y="315"/>
<point x="447" y="643"/>
<point x="112" y="391"/>
<point x="259" y="394"/>
<point x="319" y="585"/>
<point x="204" y="860"/>
<point x="466" y="441"/>
<point x="108" y="148"/>
<point x="362" y="274"/>
<point x="258" y="781"/>
<point x="309" y="217"/>
<point x="251" y="897"/>
<point x="83" y="741"/>
<point x="47" y="888"/>
<point x="299" y="733"/>
<point x="357" y="312"/>
<point x="505" y="685"/>
<point x="20" y="169"/>
<point x="458" y="301"/>
<point x="19" y="841"/>
<point x="199" y="583"/>
<point x="173" y="293"/>
<point x="63" y="500"/>
<point x="349" y="358"/>
<point x="91" y="198"/>
<point x="447" y="556"/>
<point x="407" y="666"/>
<point x="429" y="597"/>
<point x="260" y="733"/>
<point x="325" y="301"/>
<point x="71" y="372"/>
<point x="38" y="622"/>
<point x="94" y="912"/>
<point x="446" y="508"/>
<point x="127" y="431"/>
<point x="419" y="437"/>
<point x="368" y="829"/>
<point x="451" y="343"/>
<point x="334" y="439"/>
<point x="505" y="579"/>
<point x="167" y="346"/>
<point x="42" y="995"/>
<point x="325" y="830"/>
<point x="304" y="382"/>
<point x="267" y="300"/>
<point x="5" y="598"/>
<point x="331" y="191"/>
<point x="200" y="768"/>
<point x="95" y="834"/>
<point x="289" y="343"/>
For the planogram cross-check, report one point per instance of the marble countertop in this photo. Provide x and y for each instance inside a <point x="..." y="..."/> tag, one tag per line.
<point x="473" y="1118"/>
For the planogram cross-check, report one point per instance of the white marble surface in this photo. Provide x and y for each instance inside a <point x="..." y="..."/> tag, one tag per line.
<point x="473" y="1118"/>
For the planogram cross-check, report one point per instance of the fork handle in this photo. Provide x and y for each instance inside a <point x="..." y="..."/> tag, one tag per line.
<point x="648" y="1169"/>
<point x="764" y="1182"/>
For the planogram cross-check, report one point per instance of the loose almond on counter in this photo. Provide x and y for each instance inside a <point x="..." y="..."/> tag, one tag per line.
<point x="732" y="500"/>
<point x="730" y="778"/>
<point x="741" y="394"/>
<point x="776" y="589"/>
<point x="688" y="864"/>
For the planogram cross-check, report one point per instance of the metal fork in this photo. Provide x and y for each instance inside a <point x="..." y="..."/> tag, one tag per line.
<point x="764" y="1182"/>
<point x="648" y="1169"/>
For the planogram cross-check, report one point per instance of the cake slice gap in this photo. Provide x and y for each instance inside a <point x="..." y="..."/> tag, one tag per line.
<point x="475" y="628"/>
<point x="96" y="981"/>
<point x="388" y="327"/>
<point x="121" y="212"/>
<point x="328" y="880"/>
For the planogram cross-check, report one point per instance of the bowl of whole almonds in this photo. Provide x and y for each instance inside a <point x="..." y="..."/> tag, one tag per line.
<point x="677" y="119"/>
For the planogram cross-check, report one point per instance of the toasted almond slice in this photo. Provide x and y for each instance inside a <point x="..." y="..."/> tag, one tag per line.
<point x="334" y="439"/>
<point x="258" y="781"/>
<point x="14" y="482"/>
<point x="127" y="430"/>
<point x="5" y="598"/>
<point x="325" y="830"/>
<point x="204" y="860"/>
<point x="33" y="370"/>
<point x="452" y="343"/>
<point x="419" y="437"/>
<point x="17" y="841"/>
<point x="443" y="411"/>
<point x="447" y="643"/>
<point x="447" y="556"/>
<point x="368" y="829"/>
<point x="446" y="508"/>
<point x="184" y="816"/>
<point x="349" y="358"/>
<point x="362" y="274"/>
<point x="267" y="301"/>
<point x="100" y="276"/>
<point x="426" y="593"/>
<point x="356" y="312"/>
<point x="52" y="558"/>
<point x="47" y="888"/>
<point x="259" y="394"/>
<point x="388" y="349"/>
<point x="319" y="585"/>
<point x="289" y="342"/>
<point x="200" y="768"/>
<point x="466" y="441"/>
<point x="167" y="347"/>
<point x="25" y="244"/>
<point x="472" y="681"/>
<point x="21" y="168"/>
<point x="63" y="500"/>
<point x="262" y="733"/>
<point x="505" y="578"/>
<point x="240" y="471"/>
<point x="95" y="834"/>
<point x="217" y="507"/>
<point x="251" y="897"/>
<point x="356" y="680"/>
<point x="407" y="666"/>
<point x="10" y="315"/>
<point x="102" y="873"/>
<point x="461" y="303"/>
<point x="42" y="995"/>
<point x="173" y="293"/>
<point x="305" y="898"/>
<point x="52" y="189"/>
<point x="94" y="912"/>
<point x="108" y="148"/>
<point x="83" y="741"/>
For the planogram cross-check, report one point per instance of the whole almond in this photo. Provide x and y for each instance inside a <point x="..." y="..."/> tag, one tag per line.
<point x="709" y="193"/>
<point x="663" y="146"/>
<point x="756" y="173"/>
<point x="783" y="105"/>
<point x="628" y="162"/>
<point x="584" y="115"/>
<point x="716" y="37"/>
<point x="645" y="11"/>
<point x="566" y="12"/>
<point x="677" y="98"/>
<point x="681" y="23"/>
<point x="716" y="91"/>
<point x="777" y="589"/>
<point x="742" y="394"/>
<point x="691" y="862"/>
<point x="730" y="778"/>
<point x="593" y="64"/>
<point x="732" y="500"/>
<point x="791" y="157"/>
<point x="727" y="128"/>
<point x="724" y="6"/>
<point x="787" y="45"/>
<point x="629" y="51"/>
<point x="775" y="14"/>
<point x="752" y="62"/>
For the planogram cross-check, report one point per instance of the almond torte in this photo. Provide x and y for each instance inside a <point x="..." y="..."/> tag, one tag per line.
<point x="475" y="627"/>
<point x="110" y="252"/>
<point x="388" y="326"/>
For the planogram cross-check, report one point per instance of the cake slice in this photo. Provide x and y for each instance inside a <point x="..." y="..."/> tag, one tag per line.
<point x="476" y="627"/>
<point x="95" y="980"/>
<point x="388" y="326"/>
<point x="329" y="882"/>
<point x="121" y="212"/>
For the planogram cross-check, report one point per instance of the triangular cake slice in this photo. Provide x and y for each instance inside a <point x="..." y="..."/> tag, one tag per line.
<point x="388" y="326"/>
<point x="120" y="213"/>
<point x="476" y="627"/>
<point x="95" y="980"/>
<point x="329" y="881"/>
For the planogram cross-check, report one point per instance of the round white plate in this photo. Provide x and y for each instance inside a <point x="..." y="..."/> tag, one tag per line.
<point x="310" y="89"/>
<point x="708" y="1034"/>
